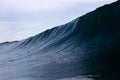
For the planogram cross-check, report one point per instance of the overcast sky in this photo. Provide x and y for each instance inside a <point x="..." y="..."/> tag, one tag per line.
<point x="20" y="19"/>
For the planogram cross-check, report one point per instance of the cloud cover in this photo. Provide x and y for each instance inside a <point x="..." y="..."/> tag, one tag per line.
<point x="20" y="19"/>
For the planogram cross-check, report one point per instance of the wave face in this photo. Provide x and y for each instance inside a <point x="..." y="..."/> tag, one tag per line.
<point x="87" y="45"/>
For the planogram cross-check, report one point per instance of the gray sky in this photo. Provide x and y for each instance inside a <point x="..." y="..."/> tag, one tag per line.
<point x="20" y="19"/>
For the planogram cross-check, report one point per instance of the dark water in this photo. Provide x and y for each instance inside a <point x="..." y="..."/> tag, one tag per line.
<point x="87" y="45"/>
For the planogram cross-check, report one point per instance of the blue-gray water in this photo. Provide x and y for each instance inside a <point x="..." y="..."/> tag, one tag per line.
<point x="88" y="45"/>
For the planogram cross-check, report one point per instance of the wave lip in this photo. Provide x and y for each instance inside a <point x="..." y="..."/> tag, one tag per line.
<point x="90" y="44"/>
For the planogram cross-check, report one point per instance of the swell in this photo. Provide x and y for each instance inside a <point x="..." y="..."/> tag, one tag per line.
<point x="87" y="45"/>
